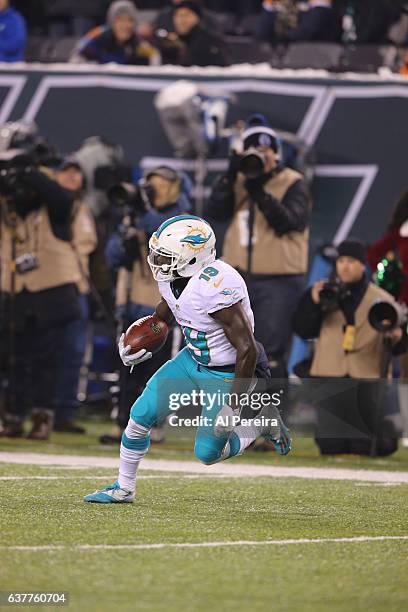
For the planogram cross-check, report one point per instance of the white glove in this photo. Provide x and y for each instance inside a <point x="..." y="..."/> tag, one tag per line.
<point x="226" y="420"/>
<point x="136" y="358"/>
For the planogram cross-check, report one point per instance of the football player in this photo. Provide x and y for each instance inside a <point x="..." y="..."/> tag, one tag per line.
<point x="209" y="300"/>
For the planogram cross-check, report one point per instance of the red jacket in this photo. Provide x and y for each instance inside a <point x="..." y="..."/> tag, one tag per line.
<point x="392" y="241"/>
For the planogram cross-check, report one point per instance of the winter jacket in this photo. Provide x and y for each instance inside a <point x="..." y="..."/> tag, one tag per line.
<point x="13" y="36"/>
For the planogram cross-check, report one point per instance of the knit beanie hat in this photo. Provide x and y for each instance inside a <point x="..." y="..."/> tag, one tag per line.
<point x="353" y="248"/>
<point x="121" y="7"/>
<point x="190" y="4"/>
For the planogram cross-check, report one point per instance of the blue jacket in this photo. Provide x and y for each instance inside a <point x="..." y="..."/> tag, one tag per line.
<point x="13" y="36"/>
<point x="148" y="222"/>
<point x="100" y="46"/>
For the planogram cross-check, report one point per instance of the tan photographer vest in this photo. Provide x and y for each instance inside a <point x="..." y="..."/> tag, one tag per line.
<point x="57" y="261"/>
<point x="272" y="254"/>
<point x="364" y="361"/>
<point x="143" y="288"/>
<point x="84" y="241"/>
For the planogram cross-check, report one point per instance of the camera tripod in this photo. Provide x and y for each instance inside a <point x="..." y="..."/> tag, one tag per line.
<point x="8" y="222"/>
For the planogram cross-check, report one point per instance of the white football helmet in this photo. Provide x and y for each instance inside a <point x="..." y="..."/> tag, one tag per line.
<point x="182" y="246"/>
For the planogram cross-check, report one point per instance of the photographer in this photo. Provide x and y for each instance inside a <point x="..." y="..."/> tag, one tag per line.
<point x="158" y="197"/>
<point x="338" y="314"/>
<point x="39" y="289"/>
<point x="84" y="241"/>
<point x="267" y="206"/>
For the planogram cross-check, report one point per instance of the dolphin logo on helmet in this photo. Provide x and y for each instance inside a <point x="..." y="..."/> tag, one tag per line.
<point x="196" y="239"/>
<point x="181" y="247"/>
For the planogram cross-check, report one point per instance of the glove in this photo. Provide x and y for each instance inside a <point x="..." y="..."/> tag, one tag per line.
<point x="226" y="420"/>
<point x="254" y="186"/>
<point x="136" y="358"/>
<point x="131" y="252"/>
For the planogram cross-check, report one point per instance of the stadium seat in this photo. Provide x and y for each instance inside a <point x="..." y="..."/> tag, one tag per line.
<point x="244" y="50"/>
<point x="324" y="56"/>
<point x="401" y="52"/>
<point x="60" y="51"/>
<point x="390" y="55"/>
<point x="247" y="25"/>
<point x="226" y="22"/>
<point x="35" y="49"/>
<point x="368" y="58"/>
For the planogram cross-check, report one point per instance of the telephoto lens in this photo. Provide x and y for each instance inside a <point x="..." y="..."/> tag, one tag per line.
<point x="384" y="316"/>
<point x="252" y="163"/>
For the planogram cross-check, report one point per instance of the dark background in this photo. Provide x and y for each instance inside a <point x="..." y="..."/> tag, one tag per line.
<point x="358" y="130"/>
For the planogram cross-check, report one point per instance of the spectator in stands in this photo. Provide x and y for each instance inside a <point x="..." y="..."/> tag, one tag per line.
<point x="317" y="22"/>
<point x="164" y="20"/>
<point x="276" y="19"/>
<point x="13" y="34"/>
<point x="268" y="236"/>
<point x="348" y="358"/>
<point x="398" y="33"/>
<point x="192" y="44"/>
<point x="118" y="41"/>
<point x="404" y="66"/>
<point x="73" y="17"/>
<point x="372" y="19"/>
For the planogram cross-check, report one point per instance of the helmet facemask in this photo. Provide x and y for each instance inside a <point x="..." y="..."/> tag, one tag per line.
<point x="181" y="248"/>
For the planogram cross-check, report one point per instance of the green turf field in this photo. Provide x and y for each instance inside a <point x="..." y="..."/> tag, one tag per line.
<point x="180" y="442"/>
<point x="41" y="506"/>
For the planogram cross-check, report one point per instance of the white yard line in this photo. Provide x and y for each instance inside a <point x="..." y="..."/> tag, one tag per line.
<point x="377" y="484"/>
<point x="230" y="469"/>
<point x="114" y="476"/>
<point x="79" y="477"/>
<point x="99" y="547"/>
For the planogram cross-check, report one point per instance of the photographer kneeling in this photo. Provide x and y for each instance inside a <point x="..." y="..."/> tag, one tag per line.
<point x="39" y="284"/>
<point x="158" y="197"/>
<point x="339" y="314"/>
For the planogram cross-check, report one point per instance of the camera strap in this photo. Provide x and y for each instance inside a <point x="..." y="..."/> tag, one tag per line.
<point x="349" y="338"/>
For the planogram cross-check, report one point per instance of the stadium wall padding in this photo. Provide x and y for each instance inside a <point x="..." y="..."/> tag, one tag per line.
<point x="357" y="125"/>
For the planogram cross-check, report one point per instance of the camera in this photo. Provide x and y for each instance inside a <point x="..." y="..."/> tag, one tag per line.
<point x="26" y="263"/>
<point x="333" y="292"/>
<point x="14" y="164"/>
<point x="108" y="176"/>
<point x="133" y="200"/>
<point x="384" y="316"/>
<point x="252" y="163"/>
<point x="167" y="39"/>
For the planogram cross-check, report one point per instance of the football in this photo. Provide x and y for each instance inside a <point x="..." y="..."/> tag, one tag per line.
<point x="148" y="333"/>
